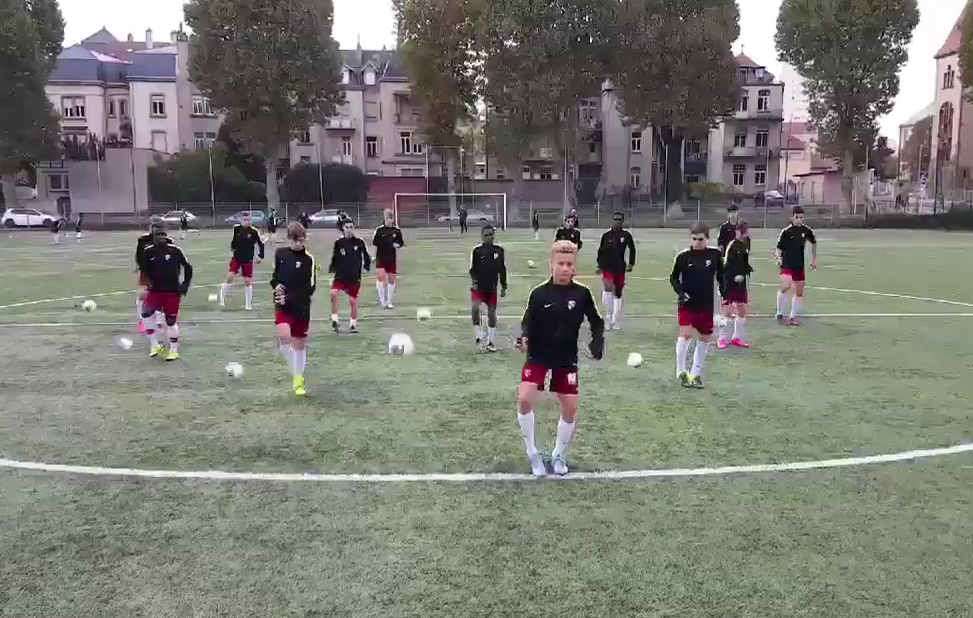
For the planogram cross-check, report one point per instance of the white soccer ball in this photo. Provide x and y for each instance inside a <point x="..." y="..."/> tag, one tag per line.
<point x="531" y="264"/>
<point x="125" y="343"/>
<point x="213" y="298"/>
<point x="634" y="359"/>
<point x="423" y="314"/>
<point x="234" y="370"/>
<point x="89" y="306"/>
<point x="400" y="344"/>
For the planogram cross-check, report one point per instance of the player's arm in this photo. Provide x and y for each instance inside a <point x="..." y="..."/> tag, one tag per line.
<point x="779" y="251"/>
<point x="630" y="243"/>
<point x="675" y="277"/>
<point x="312" y="277"/>
<point x="529" y="312"/>
<point x="578" y="234"/>
<point x="233" y="241"/>
<point x="597" y="324"/>
<point x="275" y="278"/>
<point x="260" y="244"/>
<point x="602" y="251"/>
<point x="334" y="257"/>
<point x="139" y="252"/>
<point x="375" y="237"/>
<point x="187" y="271"/>
<point x="814" y="247"/>
<point x="720" y="273"/>
<point x="399" y="239"/>
<point x="502" y="270"/>
<point x="366" y="258"/>
<point x="474" y="274"/>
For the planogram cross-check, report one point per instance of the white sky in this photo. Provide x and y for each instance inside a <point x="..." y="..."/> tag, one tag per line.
<point x="371" y="20"/>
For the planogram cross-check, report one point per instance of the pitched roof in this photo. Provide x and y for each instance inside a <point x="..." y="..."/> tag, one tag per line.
<point x="796" y="128"/>
<point x="102" y="36"/>
<point x="954" y="38"/>
<point x="744" y="60"/>
<point x="388" y="64"/>
<point x="80" y="63"/>
<point x="926" y="112"/>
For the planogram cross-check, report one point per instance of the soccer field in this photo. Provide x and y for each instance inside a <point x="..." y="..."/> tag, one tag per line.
<point x="881" y="367"/>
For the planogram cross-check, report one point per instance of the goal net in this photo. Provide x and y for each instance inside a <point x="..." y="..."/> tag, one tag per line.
<point x="442" y="210"/>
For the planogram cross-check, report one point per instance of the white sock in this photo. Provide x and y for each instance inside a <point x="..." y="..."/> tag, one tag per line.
<point x="389" y="293"/>
<point x="138" y="309"/>
<point x="796" y="305"/>
<point x="478" y="330"/>
<point x="334" y="317"/>
<point x="738" y="328"/>
<point x="300" y="361"/>
<point x="564" y="432"/>
<point x="723" y="328"/>
<point x="617" y="310"/>
<point x="160" y="320"/>
<point x="699" y="357"/>
<point x="353" y="322"/>
<point x="224" y="291"/>
<point x="781" y="303"/>
<point x="285" y="351"/>
<point x="248" y="291"/>
<point x="527" y="428"/>
<point x="380" y="286"/>
<point x="609" y="301"/>
<point x="173" y="333"/>
<point x="153" y="337"/>
<point x="682" y="349"/>
<point x="491" y="331"/>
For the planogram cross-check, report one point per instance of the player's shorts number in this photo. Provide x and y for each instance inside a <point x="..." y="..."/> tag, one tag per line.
<point x="572" y="379"/>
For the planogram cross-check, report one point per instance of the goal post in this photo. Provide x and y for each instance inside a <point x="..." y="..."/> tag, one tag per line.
<point x="442" y="209"/>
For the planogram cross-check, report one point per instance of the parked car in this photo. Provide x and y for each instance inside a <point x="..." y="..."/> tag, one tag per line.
<point x="476" y="216"/>
<point x="175" y="216"/>
<point x="328" y="215"/>
<point x="25" y="217"/>
<point x="257" y="217"/>
<point x="770" y="198"/>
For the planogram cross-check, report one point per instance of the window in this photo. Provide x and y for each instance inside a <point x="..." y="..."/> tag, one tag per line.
<point x="693" y="147"/>
<point x="760" y="175"/>
<point x="372" y="109"/>
<point x="740" y="140"/>
<point x="58" y="182"/>
<point x="692" y="179"/>
<point x="345" y="76"/>
<point x="635" y="177"/>
<point x="501" y="173"/>
<point x="305" y="159"/>
<point x="742" y="74"/>
<point x="547" y="172"/>
<point x="763" y="138"/>
<point x="589" y="110"/>
<point x="304" y="137"/>
<point x="636" y="141"/>
<point x="158" y="105"/>
<point x="73" y="107"/>
<point x="160" y="141"/>
<point x="593" y="147"/>
<point x="744" y="102"/>
<point x="949" y="77"/>
<point x="371" y="146"/>
<point x="369" y="77"/>
<point x="123" y="107"/>
<point x="346" y="146"/>
<point x="525" y="172"/>
<point x="111" y="108"/>
<point x="204" y="140"/>
<point x="409" y="144"/>
<point x="763" y="101"/>
<point x="739" y="173"/>
<point x="202" y="107"/>
<point x="479" y="171"/>
<point x="283" y="165"/>
<point x="411" y="171"/>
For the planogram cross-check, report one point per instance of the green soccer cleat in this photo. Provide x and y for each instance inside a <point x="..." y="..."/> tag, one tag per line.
<point x="695" y="382"/>
<point x="683" y="378"/>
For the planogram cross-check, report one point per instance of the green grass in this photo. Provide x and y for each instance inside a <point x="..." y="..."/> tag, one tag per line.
<point x="886" y="541"/>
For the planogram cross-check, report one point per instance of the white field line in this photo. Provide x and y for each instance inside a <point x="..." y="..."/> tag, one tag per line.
<point x="216" y="475"/>
<point x="399" y="318"/>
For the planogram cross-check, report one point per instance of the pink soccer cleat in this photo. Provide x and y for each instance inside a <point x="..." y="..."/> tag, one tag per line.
<point x="740" y="343"/>
<point x="793" y="322"/>
<point x="721" y="343"/>
<point x="141" y="327"/>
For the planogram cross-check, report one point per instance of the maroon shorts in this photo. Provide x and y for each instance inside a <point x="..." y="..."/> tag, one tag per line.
<point x="351" y="289"/>
<point x="702" y="321"/>
<point x="244" y="268"/>
<point x="736" y="294"/>
<point x="299" y="326"/>
<point x="388" y="266"/>
<point x="166" y="302"/>
<point x="480" y="296"/>
<point x="616" y="279"/>
<point x="794" y="273"/>
<point x="563" y="381"/>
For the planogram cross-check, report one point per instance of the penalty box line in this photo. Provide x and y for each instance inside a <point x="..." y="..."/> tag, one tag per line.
<point x="217" y="475"/>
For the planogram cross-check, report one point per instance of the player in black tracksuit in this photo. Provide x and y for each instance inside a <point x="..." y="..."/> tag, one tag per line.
<point x="569" y="231"/>
<point x="736" y="271"/>
<point x="728" y="229"/>
<point x="387" y="241"/>
<point x="272" y="226"/>
<point x="55" y="227"/>
<point x="294" y="281"/>
<point x="696" y="273"/>
<point x="349" y="257"/>
<point x="244" y="244"/>
<point x="162" y="263"/>
<point x="612" y="266"/>
<point x="550" y="329"/>
<point x="535" y="223"/>
<point x="487" y="266"/>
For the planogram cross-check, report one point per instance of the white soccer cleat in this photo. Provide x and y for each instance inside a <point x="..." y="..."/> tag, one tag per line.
<point x="537" y="465"/>
<point x="559" y="465"/>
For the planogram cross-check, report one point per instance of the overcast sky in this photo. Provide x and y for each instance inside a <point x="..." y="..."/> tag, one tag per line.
<point x="371" y="21"/>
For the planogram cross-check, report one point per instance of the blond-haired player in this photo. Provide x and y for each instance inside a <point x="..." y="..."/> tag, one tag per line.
<point x="549" y="334"/>
<point x="387" y="240"/>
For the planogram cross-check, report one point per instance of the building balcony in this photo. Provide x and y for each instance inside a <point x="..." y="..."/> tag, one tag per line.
<point x="340" y="124"/>
<point x="749" y="152"/>
<point x="695" y="164"/>
<point x="768" y="115"/>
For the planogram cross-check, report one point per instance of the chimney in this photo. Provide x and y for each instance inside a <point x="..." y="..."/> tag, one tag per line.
<point x="130" y="38"/>
<point x="148" y="38"/>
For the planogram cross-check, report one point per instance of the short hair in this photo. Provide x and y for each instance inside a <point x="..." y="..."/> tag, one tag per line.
<point x="699" y="228"/>
<point x="797" y="210"/>
<point x="296" y="231"/>
<point x="157" y="228"/>
<point x="619" y="213"/>
<point x="487" y="228"/>
<point x="563" y="247"/>
<point x="732" y="208"/>
<point x="347" y="221"/>
<point x="388" y="212"/>
<point x="742" y="226"/>
<point x="155" y="220"/>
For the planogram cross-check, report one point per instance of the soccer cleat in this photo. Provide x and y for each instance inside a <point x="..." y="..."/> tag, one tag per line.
<point x="353" y="328"/>
<point x="479" y="344"/>
<point x="695" y="382"/>
<point x="721" y="343"/>
<point x="141" y="327"/>
<point x="781" y="320"/>
<point x="334" y="325"/>
<point x="683" y="378"/>
<point x="248" y="308"/>
<point x="389" y="306"/>
<point x="490" y="347"/>
<point x="793" y="322"/>
<point x="299" y="389"/>
<point x="172" y="355"/>
<point x="559" y="465"/>
<point x="155" y="350"/>
<point x="740" y="343"/>
<point x="537" y="467"/>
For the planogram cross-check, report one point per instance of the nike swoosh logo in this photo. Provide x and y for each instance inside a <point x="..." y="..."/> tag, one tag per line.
<point x="546" y="306"/>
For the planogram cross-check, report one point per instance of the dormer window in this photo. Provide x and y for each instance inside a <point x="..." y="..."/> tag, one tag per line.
<point x="369" y="77"/>
<point x="345" y="76"/>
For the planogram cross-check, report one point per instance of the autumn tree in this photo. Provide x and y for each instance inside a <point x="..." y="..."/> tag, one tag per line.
<point x="677" y="73"/>
<point x="271" y="64"/>
<point x="31" y="34"/>
<point x="849" y="54"/>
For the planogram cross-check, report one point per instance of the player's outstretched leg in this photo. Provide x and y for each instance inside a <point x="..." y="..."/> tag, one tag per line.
<point x="292" y="337"/>
<point x="608" y="299"/>
<point x="526" y="394"/>
<point x="225" y="286"/>
<point x="726" y="312"/>
<point x="786" y="284"/>
<point x="381" y="284"/>
<point x="173" y="333"/>
<point x="390" y="290"/>
<point x="353" y="308"/>
<point x="739" y="336"/>
<point x="796" y="303"/>
<point x="335" y="286"/>
<point x="682" y="351"/>
<point x="491" y="326"/>
<point x="616" y="314"/>
<point x="477" y="325"/>
<point x="150" y="331"/>
<point x="248" y="293"/>
<point x="565" y="430"/>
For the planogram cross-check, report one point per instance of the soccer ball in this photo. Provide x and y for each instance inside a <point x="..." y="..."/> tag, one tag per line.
<point x="125" y="343"/>
<point x="531" y="264"/>
<point x="423" y="314"/>
<point x="89" y="306"/>
<point x="213" y="298"/>
<point x="400" y="344"/>
<point x="634" y="359"/>
<point x="234" y="370"/>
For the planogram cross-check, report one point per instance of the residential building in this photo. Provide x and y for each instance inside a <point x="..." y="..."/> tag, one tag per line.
<point x="952" y="139"/>
<point x="915" y="151"/>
